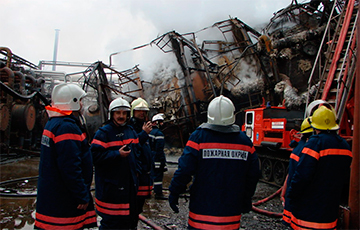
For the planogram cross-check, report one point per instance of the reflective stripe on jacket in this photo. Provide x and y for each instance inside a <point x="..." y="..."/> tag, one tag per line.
<point x="145" y="160"/>
<point x="225" y="172"/>
<point x="65" y="176"/>
<point x="294" y="159"/>
<point x="316" y="186"/>
<point x="157" y="143"/>
<point x="116" y="180"/>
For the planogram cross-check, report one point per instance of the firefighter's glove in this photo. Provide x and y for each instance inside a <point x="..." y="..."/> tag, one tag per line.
<point x="293" y="144"/>
<point x="174" y="202"/>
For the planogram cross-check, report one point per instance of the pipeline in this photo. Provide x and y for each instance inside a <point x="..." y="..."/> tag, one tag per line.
<point x="9" y="55"/>
<point x="22" y="81"/>
<point x="11" y="92"/>
<point x="14" y="193"/>
<point x="31" y="79"/>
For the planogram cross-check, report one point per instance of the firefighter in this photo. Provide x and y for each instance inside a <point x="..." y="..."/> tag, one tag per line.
<point x="306" y="131"/>
<point x="139" y="121"/>
<point x="225" y="170"/>
<point x="323" y="170"/>
<point x="157" y="144"/>
<point x="114" y="149"/>
<point x="64" y="200"/>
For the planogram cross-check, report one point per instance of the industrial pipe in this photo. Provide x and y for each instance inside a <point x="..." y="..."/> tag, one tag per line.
<point x="9" y="99"/>
<point x="11" y="76"/>
<point x="31" y="79"/>
<point x="5" y="116"/>
<point x="12" y="93"/>
<point x="22" y="82"/>
<point x="13" y="193"/>
<point x="9" y="55"/>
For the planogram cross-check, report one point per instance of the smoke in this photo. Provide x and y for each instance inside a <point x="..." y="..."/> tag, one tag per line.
<point x="290" y="94"/>
<point x="248" y="77"/>
<point x="165" y="78"/>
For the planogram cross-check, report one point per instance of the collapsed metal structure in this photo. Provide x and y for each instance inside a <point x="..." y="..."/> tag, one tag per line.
<point x="252" y="68"/>
<point x="306" y="52"/>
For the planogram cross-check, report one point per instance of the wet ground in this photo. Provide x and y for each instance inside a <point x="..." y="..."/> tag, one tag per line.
<point x="18" y="212"/>
<point x="160" y="212"/>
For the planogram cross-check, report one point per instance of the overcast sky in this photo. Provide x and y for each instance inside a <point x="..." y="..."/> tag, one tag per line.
<point x="90" y="30"/>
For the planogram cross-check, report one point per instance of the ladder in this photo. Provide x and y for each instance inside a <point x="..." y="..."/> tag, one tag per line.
<point x="338" y="71"/>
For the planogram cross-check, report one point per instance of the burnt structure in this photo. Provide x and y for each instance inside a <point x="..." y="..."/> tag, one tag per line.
<point x="288" y="64"/>
<point x="248" y="66"/>
<point x="306" y="52"/>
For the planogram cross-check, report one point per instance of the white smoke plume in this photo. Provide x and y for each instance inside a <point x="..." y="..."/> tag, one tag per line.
<point x="290" y="93"/>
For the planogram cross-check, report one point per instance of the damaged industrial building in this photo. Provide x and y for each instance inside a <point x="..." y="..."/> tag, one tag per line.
<point x="306" y="52"/>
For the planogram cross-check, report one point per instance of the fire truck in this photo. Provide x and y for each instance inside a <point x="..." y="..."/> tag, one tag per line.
<point x="272" y="129"/>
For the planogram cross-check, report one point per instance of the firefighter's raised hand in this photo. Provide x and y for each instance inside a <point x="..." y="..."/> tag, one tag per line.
<point x="147" y="127"/>
<point x="174" y="202"/>
<point x="124" y="151"/>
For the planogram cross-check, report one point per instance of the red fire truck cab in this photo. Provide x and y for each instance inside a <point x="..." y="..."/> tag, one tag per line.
<point x="271" y="129"/>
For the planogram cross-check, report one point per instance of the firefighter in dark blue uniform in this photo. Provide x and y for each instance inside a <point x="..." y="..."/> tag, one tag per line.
<point x="225" y="170"/>
<point x="138" y="120"/>
<point x="323" y="170"/>
<point x="157" y="144"/>
<point x="114" y="149"/>
<point x="64" y="200"/>
<point x="306" y="131"/>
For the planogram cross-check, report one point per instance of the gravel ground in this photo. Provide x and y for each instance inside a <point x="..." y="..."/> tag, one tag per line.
<point x="18" y="213"/>
<point x="159" y="212"/>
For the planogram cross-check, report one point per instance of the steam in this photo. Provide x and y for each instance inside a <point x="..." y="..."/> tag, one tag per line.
<point x="163" y="90"/>
<point x="290" y="94"/>
<point x="248" y="77"/>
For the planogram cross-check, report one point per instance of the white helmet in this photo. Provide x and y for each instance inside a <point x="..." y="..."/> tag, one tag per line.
<point x="158" y="117"/>
<point x="314" y="105"/>
<point x="221" y="111"/>
<point x="66" y="96"/>
<point x="118" y="104"/>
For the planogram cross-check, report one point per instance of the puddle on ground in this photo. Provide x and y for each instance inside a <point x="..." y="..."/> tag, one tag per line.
<point x="18" y="188"/>
<point x="17" y="203"/>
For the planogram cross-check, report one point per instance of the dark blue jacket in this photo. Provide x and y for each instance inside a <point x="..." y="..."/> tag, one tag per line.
<point x="294" y="159"/>
<point x="145" y="160"/>
<point x="316" y="186"/>
<point x="115" y="177"/>
<point x="157" y="143"/>
<point x="225" y="170"/>
<point x="65" y="176"/>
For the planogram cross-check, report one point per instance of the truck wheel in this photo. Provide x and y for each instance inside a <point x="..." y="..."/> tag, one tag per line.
<point x="266" y="169"/>
<point x="279" y="173"/>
